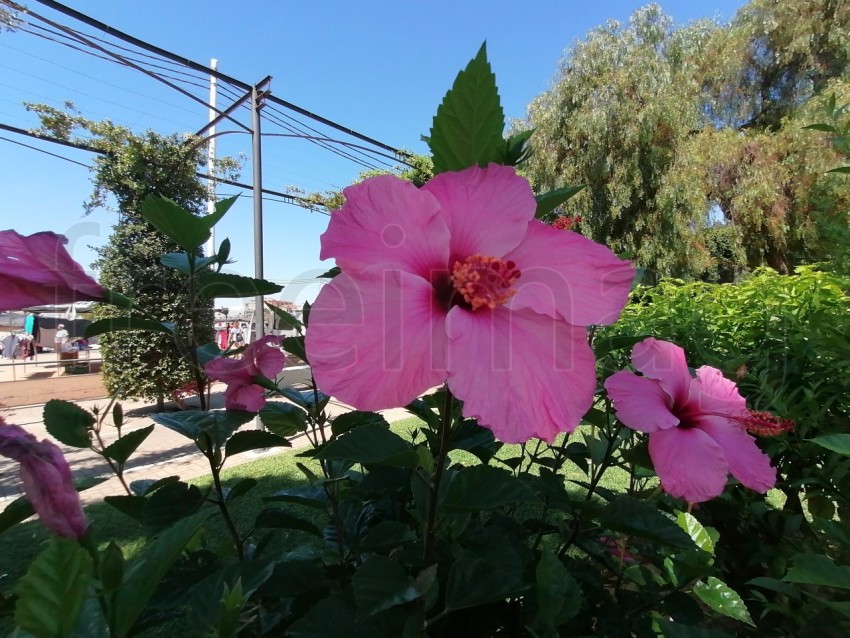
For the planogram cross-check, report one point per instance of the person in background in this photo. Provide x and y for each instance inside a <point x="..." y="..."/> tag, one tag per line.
<point x="60" y="338"/>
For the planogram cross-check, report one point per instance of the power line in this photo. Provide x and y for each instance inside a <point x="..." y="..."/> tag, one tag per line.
<point x="284" y="198"/>
<point x="141" y="44"/>
<point x="41" y="150"/>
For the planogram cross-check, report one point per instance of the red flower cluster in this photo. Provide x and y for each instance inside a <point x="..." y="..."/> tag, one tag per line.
<point x="765" y="423"/>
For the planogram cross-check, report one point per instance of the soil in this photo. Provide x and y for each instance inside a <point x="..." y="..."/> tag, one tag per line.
<point x="70" y="387"/>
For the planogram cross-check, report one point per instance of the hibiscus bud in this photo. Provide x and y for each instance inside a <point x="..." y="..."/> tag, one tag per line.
<point x="47" y="481"/>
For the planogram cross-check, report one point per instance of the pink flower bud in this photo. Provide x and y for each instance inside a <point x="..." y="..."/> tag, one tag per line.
<point x="47" y="481"/>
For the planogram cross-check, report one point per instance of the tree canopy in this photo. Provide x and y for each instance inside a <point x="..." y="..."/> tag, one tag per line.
<point x="690" y="139"/>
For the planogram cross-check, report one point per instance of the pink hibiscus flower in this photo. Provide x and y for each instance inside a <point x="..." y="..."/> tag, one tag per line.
<point x="38" y="270"/>
<point x="262" y="357"/>
<point x="456" y="281"/>
<point x="47" y="481"/>
<point x="696" y="425"/>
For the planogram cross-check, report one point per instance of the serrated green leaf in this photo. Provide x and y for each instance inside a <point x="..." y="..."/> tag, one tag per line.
<point x="121" y="449"/>
<point x="118" y="324"/>
<point x="387" y="535"/>
<point x="558" y="593"/>
<point x="475" y="581"/>
<point x="145" y="571"/>
<point x="354" y="419"/>
<point x="288" y="319"/>
<point x="313" y="496"/>
<point x="605" y="345"/>
<point x="52" y="592"/>
<point x="467" y="130"/>
<point x="247" y="440"/>
<point x="171" y="503"/>
<point x="280" y="519"/>
<point x="15" y="512"/>
<point x="221" y="284"/>
<point x="284" y="419"/>
<point x="240" y="488"/>
<point x="839" y="443"/>
<point x="68" y="423"/>
<point x="381" y="583"/>
<point x="547" y="202"/>
<point x="482" y="487"/>
<point x="817" y="569"/>
<point x="370" y="444"/>
<point x="295" y="346"/>
<point x="723" y="599"/>
<point x="178" y="224"/>
<point x="208" y="352"/>
<point x="699" y="535"/>
<point x="517" y="148"/>
<point x="642" y="519"/>
<point x="219" y="425"/>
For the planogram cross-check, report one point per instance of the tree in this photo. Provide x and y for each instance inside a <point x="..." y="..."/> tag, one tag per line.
<point x="141" y="364"/>
<point x="678" y="130"/>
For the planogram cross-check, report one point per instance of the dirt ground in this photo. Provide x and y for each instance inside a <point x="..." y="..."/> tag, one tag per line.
<point x="71" y="387"/>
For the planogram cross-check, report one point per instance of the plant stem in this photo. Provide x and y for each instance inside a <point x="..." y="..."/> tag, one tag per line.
<point x="215" y="470"/>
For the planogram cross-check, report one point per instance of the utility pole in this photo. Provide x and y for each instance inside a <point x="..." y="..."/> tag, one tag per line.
<point x="210" y="249"/>
<point x="258" y="94"/>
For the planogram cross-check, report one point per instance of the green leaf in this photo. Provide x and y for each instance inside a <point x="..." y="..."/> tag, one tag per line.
<point x="351" y="420"/>
<point x="840" y="169"/>
<point x="835" y="442"/>
<point x="208" y="352"/>
<point x="482" y="487"/>
<point x="467" y="130"/>
<point x="182" y="227"/>
<point x="111" y="567"/>
<point x="330" y="274"/>
<point x="247" y="440"/>
<point x="670" y="629"/>
<point x="639" y="518"/>
<point x="171" y="503"/>
<point x="221" y="284"/>
<point x="147" y="569"/>
<point x="295" y="345"/>
<point x="121" y="450"/>
<point x="329" y="618"/>
<point x="723" y="599"/>
<point x="52" y="592"/>
<point x="117" y="299"/>
<point x="241" y="487"/>
<point x="558" y="593"/>
<point x="817" y="569"/>
<point x="68" y="423"/>
<point x="280" y="519"/>
<point x="284" y="419"/>
<point x="517" y="149"/>
<point x="288" y="319"/>
<point x="15" y="512"/>
<point x="547" y="202"/>
<point x="387" y="535"/>
<point x="476" y="581"/>
<point x="381" y="583"/>
<point x="218" y="424"/>
<point x="132" y="506"/>
<point x="117" y="324"/>
<point x="696" y="531"/>
<point x="826" y="128"/>
<point x="370" y="444"/>
<point x="309" y="495"/>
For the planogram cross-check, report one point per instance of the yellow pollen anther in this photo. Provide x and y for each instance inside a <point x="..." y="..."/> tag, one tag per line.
<point x="484" y="281"/>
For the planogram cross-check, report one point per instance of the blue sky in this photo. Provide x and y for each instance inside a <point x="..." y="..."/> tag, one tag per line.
<point x="379" y="67"/>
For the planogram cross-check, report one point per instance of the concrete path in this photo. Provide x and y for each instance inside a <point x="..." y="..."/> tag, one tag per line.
<point x="163" y="453"/>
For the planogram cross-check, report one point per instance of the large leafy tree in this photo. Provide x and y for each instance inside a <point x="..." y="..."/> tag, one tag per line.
<point x="141" y="364"/>
<point x="690" y="139"/>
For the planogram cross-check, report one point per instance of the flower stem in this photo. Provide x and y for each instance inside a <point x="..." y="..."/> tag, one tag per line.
<point x="215" y="470"/>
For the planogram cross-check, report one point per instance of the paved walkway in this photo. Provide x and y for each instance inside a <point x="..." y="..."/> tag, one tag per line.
<point x="163" y="453"/>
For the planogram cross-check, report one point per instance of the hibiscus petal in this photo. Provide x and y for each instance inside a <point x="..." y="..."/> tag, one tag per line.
<point x="689" y="463"/>
<point x="665" y="362"/>
<point x="747" y="462"/>
<point x="565" y="274"/>
<point x="249" y="397"/>
<point x="713" y="393"/>
<point x="386" y="220"/>
<point x="268" y="358"/>
<point x="229" y="370"/>
<point x="377" y="339"/>
<point x="640" y="402"/>
<point x="487" y="210"/>
<point x="519" y="373"/>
